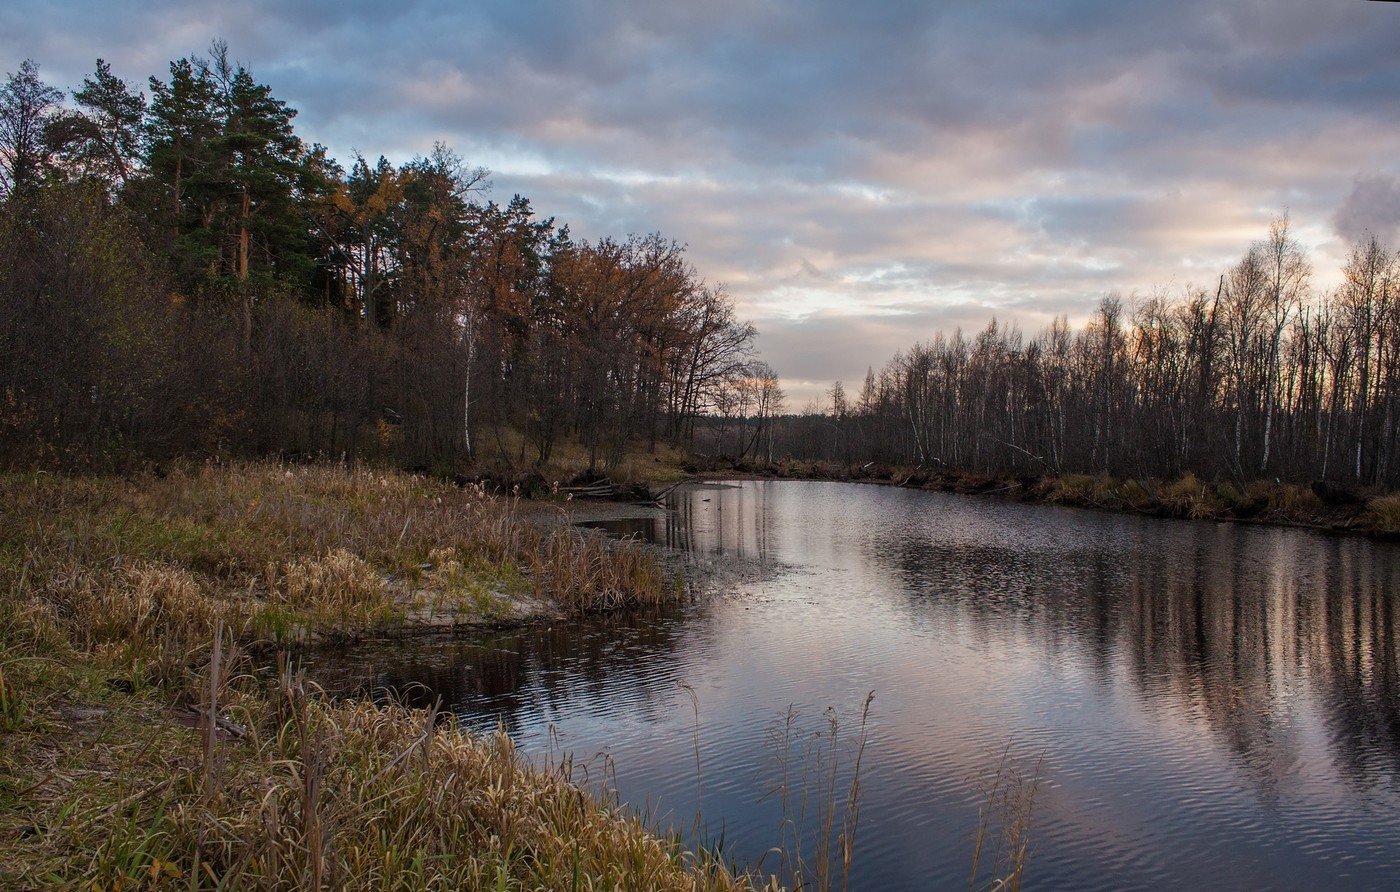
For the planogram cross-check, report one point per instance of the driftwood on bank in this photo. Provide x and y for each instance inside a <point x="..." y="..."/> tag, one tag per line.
<point x="659" y="497"/>
<point x="605" y="488"/>
<point x="600" y="489"/>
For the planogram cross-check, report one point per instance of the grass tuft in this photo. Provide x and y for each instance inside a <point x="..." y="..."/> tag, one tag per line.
<point x="1384" y="513"/>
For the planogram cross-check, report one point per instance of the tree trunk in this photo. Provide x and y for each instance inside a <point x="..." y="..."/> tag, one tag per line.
<point x="467" y="387"/>
<point x="246" y="293"/>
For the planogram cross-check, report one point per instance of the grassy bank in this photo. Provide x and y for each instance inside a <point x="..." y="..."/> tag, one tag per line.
<point x="1325" y="506"/>
<point x="505" y="462"/>
<point x="141" y="747"/>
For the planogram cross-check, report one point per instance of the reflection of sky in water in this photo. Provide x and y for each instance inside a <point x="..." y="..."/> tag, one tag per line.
<point x="1217" y="705"/>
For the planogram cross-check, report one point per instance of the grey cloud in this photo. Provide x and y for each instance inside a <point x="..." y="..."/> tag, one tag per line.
<point x="1372" y="208"/>
<point x="852" y="171"/>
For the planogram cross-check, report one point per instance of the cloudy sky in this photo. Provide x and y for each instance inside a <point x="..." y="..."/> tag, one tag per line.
<point x="860" y="174"/>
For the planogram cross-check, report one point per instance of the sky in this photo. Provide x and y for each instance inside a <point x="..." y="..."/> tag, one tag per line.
<point x="859" y="175"/>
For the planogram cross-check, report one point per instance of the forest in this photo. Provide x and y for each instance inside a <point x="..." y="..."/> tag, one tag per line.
<point x="1261" y="377"/>
<point x="182" y="274"/>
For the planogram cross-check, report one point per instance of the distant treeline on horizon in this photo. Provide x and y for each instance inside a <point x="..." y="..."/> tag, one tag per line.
<point x="1261" y="377"/>
<point x="183" y="275"/>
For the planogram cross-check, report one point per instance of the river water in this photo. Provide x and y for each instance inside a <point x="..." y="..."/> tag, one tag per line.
<point x="1204" y="705"/>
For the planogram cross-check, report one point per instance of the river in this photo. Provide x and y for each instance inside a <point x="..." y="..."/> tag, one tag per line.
<point x="1205" y="705"/>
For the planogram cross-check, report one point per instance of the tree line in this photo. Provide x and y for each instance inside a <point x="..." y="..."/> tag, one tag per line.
<point x="1262" y="376"/>
<point x="181" y="273"/>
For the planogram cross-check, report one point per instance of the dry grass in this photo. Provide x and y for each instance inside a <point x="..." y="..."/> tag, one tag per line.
<point x="1188" y="496"/>
<point x="1082" y="489"/>
<point x="318" y="795"/>
<point x="817" y="833"/>
<point x="506" y="453"/>
<point x="140" y="749"/>
<point x="1004" y="818"/>
<point x="354" y="796"/>
<point x="1384" y="513"/>
<point x="322" y="546"/>
<point x="1285" y="501"/>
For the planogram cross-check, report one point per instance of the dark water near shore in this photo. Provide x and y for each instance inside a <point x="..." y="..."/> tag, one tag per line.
<point x="1212" y="705"/>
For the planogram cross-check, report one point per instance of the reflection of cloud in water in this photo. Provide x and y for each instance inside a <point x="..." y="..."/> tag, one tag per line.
<point x="1228" y="691"/>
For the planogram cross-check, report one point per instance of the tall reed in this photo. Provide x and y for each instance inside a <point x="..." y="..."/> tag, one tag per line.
<point x="1008" y="796"/>
<point x="811" y="804"/>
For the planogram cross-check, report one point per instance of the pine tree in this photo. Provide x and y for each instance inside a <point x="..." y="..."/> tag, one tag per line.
<point x="103" y="138"/>
<point x="180" y="130"/>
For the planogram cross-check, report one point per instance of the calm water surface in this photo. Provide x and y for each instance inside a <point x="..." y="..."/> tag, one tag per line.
<point x="1212" y="705"/>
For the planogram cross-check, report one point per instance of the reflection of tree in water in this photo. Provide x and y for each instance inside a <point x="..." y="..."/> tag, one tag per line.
<point x="522" y="678"/>
<point x="697" y="520"/>
<point x="1356" y="655"/>
<point x="608" y="661"/>
<point x="720" y="520"/>
<point x="1231" y="627"/>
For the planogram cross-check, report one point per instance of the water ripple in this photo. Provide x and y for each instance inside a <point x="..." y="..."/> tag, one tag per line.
<point x="1209" y="706"/>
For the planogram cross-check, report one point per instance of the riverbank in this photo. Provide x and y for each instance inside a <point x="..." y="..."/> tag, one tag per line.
<point x="143" y="745"/>
<point x="1328" y="507"/>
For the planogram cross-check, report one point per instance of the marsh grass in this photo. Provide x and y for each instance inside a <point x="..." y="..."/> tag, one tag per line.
<point x="364" y="796"/>
<point x="819" y="807"/>
<point x="1008" y="796"/>
<point x="283" y="549"/>
<point x="344" y="795"/>
<point x="1189" y="496"/>
<point x="1384" y="513"/>
<point x="143" y="748"/>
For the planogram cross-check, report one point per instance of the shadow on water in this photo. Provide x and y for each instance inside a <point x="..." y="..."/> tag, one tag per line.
<point x="1217" y="706"/>
<point x="644" y="529"/>
<point x="516" y="677"/>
